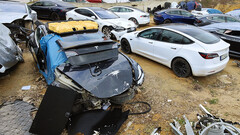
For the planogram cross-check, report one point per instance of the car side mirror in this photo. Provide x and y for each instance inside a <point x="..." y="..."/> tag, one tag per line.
<point x="93" y="17"/>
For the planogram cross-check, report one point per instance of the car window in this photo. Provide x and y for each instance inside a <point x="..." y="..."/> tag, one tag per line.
<point x="38" y="4"/>
<point x="48" y="3"/>
<point x="39" y="35"/>
<point x="185" y="13"/>
<point x="230" y="19"/>
<point x="85" y="12"/>
<point x="106" y="14"/>
<point x="18" y="8"/>
<point x="150" y="33"/>
<point x="125" y="10"/>
<point x="174" y="12"/>
<point x="115" y="9"/>
<point x="29" y="10"/>
<point x="173" y="37"/>
<point x="218" y="18"/>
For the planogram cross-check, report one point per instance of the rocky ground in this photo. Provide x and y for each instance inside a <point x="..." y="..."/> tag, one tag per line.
<point x="169" y="96"/>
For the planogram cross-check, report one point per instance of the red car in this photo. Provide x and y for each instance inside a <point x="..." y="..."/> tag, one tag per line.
<point x="95" y="1"/>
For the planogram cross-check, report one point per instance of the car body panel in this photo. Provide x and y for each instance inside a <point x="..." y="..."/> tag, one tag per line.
<point x="205" y="11"/>
<point x="165" y="52"/>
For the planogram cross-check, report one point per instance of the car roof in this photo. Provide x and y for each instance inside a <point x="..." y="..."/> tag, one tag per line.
<point x="61" y="3"/>
<point x="96" y="8"/>
<point x="171" y="9"/>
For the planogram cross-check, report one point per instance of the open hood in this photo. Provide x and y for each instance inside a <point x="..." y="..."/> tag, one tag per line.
<point x="9" y="17"/>
<point x="103" y="80"/>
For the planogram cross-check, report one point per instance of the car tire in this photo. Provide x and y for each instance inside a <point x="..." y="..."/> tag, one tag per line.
<point x="70" y="19"/>
<point x="134" y="21"/>
<point x="106" y="31"/>
<point x="55" y="16"/>
<point x="167" y="21"/>
<point x="125" y="46"/>
<point x="123" y="98"/>
<point x="181" y="67"/>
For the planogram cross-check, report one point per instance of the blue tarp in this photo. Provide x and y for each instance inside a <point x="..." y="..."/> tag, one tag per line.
<point x="214" y="11"/>
<point x="54" y="56"/>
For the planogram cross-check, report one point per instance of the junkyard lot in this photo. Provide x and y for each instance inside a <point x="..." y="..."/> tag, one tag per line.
<point x="169" y="96"/>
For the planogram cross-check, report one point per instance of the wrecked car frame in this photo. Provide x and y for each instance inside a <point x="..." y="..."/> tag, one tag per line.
<point x="86" y="62"/>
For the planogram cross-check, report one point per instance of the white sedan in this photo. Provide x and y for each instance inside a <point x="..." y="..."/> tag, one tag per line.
<point x="138" y="16"/>
<point x="184" y="48"/>
<point x="109" y="23"/>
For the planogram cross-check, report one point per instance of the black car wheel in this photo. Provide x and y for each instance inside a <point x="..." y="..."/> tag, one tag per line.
<point x="55" y="16"/>
<point x="106" y="31"/>
<point x="167" y="21"/>
<point x="70" y="19"/>
<point x="123" y="98"/>
<point x="135" y="21"/>
<point x="181" y="67"/>
<point x="125" y="46"/>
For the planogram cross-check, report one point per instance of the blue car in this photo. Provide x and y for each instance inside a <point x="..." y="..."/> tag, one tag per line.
<point x="174" y="16"/>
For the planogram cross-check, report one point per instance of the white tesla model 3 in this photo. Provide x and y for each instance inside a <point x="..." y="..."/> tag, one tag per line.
<point x="184" y="48"/>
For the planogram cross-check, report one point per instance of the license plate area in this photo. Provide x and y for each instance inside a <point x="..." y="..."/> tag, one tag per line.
<point x="224" y="56"/>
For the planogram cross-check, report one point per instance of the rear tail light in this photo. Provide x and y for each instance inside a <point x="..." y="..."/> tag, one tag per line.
<point x="144" y="16"/>
<point x="209" y="55"/>
<point x="198" y="21"/>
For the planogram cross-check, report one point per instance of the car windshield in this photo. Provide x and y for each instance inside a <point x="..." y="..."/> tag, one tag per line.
<point x="19" y="8"/>
<point x="105" y="14"/>
<point x="200" y="35"/>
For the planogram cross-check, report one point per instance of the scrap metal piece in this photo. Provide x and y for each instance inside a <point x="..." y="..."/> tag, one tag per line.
<point x="205" y="110"/>
<point x="175" y="130"/>
<point x="188" y="126"/>
<point x="156" y="131"/>
<point x="54" y="111"/>
<point x="16" y="117"/>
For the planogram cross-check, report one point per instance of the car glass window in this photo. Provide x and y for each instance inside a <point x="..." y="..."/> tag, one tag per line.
<point x="29" y="10"/>
<point x="150" y="33"/>
<point x="39" y="35"/>
<point x="115" y="9"/>
<point x="48" y="3"/>
<point x="185" y="13"/>
<point x="218" y="18"/>
<point x="38" y="4"/>
<point x="174" y="12"/>
<point x="18" y="8"/>
<point x="230" y="19"/>
<point x="106" y="14"/>
<point x="171" y="37"/>
<point x="125" y="10"/>
<point x="85" y="12"/>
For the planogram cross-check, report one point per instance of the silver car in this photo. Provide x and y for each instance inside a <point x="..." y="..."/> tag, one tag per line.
<point x="10" y="53"/>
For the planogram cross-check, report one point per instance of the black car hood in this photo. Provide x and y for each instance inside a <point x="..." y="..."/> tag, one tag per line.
<point x="103" y="79"/>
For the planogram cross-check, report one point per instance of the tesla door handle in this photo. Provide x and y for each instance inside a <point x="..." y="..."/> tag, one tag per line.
<point x="173" y="48"/>
<point x="150" y="42"/>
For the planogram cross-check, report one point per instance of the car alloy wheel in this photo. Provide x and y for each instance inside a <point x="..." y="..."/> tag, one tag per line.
<point x="167" y="21"/>
<point x="55" y="16"/>
<point x="107" y="32"/>
<point x="125" y="46"/>
<point x="181" y="67"/>
<point x="135" y="21"/>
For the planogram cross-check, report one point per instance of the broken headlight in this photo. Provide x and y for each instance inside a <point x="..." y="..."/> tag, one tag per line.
<point x="119" y="28"/>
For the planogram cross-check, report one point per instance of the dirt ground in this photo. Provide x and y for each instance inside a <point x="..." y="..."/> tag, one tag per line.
<point x="169" y="96"/>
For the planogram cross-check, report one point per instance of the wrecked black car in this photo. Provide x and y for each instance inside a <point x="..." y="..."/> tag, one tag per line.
<point x="10" y="53"/>
<point x="74" y="55"/>
<point x="229" y="32"/>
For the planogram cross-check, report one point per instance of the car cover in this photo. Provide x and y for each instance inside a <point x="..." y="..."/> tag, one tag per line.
<point x="8" y="49"/>
<point x="54" y="56"/>
<point x="222" y="26"/>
